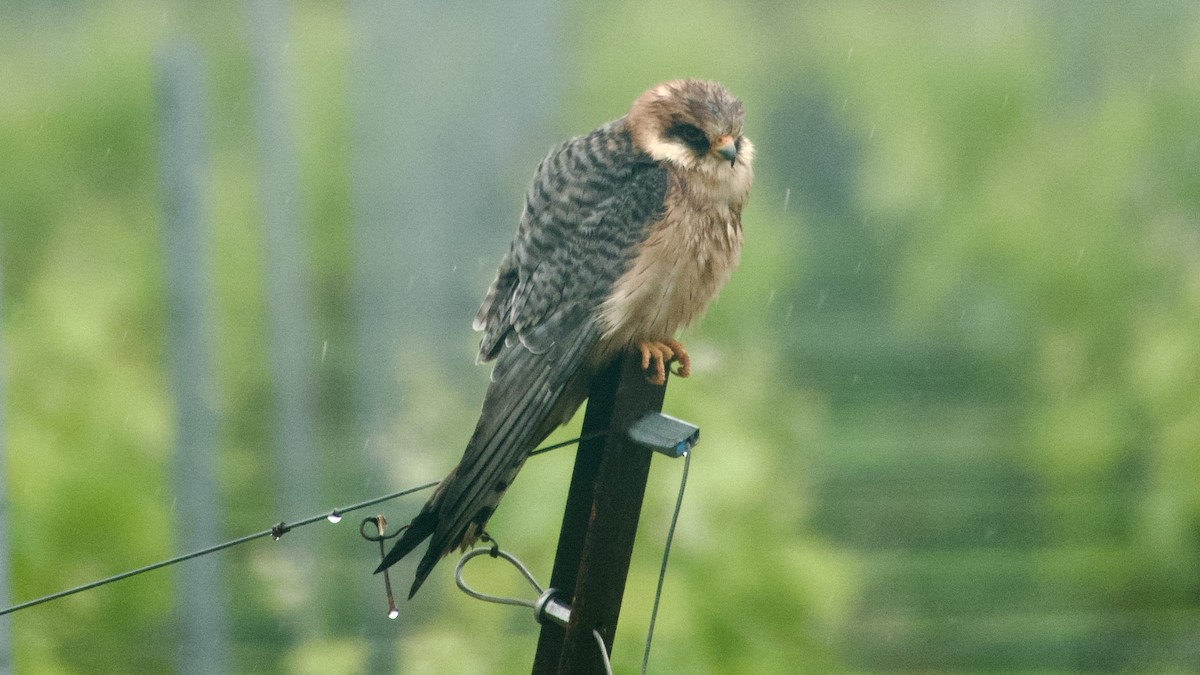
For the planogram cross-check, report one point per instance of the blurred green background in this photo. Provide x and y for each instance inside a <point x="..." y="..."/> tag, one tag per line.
<point x="950" y="403"/>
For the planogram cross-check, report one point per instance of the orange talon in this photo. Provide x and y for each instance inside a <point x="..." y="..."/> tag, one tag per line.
<point x="681" y="355"/>
<point x="660" y="354"/>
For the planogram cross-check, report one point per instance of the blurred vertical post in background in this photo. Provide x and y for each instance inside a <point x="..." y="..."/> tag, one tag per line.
<point x="441" y="100"/>
<point x="288" y="294"/>
<point x="6" y="655"/>
<point x="183" y="183"/>
<point x="377" y="248"/>
<point x="433" y="128"/>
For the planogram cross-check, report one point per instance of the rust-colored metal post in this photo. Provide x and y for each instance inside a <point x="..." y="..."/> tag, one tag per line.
<point x="600" y="520"/>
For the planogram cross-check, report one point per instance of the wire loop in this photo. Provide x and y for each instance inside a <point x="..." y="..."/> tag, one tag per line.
<point x="495" y="552"/>
<point x="546" y="607"/>
<point x="373" y="521"/>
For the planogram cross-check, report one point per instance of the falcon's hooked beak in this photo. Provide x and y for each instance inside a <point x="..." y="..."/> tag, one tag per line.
<point x="726" y="148"/>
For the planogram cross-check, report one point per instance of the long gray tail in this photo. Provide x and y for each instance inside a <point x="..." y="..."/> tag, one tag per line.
<point x="418" y="531"/>
<point x="529" y="396"/>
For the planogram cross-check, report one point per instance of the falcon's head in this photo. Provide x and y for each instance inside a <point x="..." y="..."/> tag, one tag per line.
<point x="695" y="125"/>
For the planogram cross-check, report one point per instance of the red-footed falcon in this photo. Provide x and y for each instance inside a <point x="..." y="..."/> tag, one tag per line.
<point x="627" y="233"/>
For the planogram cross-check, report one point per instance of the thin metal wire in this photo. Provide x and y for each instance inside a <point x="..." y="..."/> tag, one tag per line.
<point x="380" y="524"/>
<point x="603" y="652"/>
<point x="130" y="573"/>
<point x="495" y="552"/>
<point x="580" y="439"/>
<point x="662" y="572"/>
<point x="276" y="531"/>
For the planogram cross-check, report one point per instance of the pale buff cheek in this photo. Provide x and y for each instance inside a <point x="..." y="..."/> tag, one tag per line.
<point x="722" y="181"/>
<point x="668" y="151"/>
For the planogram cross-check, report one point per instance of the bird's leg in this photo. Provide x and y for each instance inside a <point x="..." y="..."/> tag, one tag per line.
<point x="487" y="539"/>
<point x="660" y="354"/>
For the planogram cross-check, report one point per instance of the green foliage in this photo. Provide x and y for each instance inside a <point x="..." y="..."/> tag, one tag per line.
<point x="950" y="403"/>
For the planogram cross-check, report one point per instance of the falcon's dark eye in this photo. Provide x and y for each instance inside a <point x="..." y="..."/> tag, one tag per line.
<point x="691" y="137"/>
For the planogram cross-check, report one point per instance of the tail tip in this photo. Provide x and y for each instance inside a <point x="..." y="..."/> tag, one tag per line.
<point x="424" y="567"/>
<point x="390" y="559"/>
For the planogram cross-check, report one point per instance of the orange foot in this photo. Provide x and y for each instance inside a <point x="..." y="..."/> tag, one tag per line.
<point x="662" y="353"/>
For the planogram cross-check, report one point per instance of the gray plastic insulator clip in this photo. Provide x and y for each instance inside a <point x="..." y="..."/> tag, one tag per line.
<point x="665" y="434"/>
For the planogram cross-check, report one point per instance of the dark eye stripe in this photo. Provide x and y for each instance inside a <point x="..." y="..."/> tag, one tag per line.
<point x="690" y="136"/>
